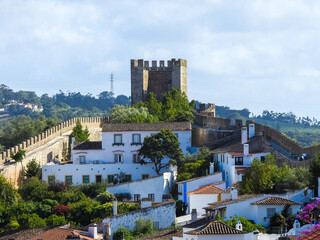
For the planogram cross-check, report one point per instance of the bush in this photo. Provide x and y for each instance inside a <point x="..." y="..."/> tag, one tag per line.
<point x="92" y="190"/>
<point x="122" y="196"/>
<point x="143" y="227"/>
<point x="32" y="221"/>
<point x="34" y="190"/>
<point x="55" y="220"/>
<point x="126" y="207"/>
<point x="33" y="169"/>
<point x="58" y="186"/>
<point x="13" y="225"/>
<point x="70" y="196"/>
<point x="106" y="197"/>
<point x="122" y="233"/>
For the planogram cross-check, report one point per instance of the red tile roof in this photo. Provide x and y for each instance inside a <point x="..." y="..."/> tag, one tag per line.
<point x="158" y="126"/>
<point x="275" y="201"/>
<point x="216" y="228"/>
<point x="61" y="234"/>
<point x="241" y="169"/>
<point x="207" y="189"/>
<point x="315" y="234"/>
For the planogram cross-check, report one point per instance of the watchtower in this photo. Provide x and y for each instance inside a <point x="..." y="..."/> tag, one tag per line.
<point x="157" y="78"/>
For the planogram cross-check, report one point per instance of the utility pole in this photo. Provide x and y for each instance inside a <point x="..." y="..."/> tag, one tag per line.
<point x="111" y="81"/>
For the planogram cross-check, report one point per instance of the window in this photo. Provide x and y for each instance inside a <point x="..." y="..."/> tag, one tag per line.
<point x="68" y="179"/>
<point x="238" y="160"/>
<point x="110" y="178"/>
<point x="145" y="176"/>
<point x="270" y="212"/>
<point x="51" y="179"/>
<point x="127" y="178"/>
<point x="98" y="178"/>
<point x="136" y="197"/>
<point x="82" y="159"/>
<point x="262" y="158"/>
<point x="136" y="139"/>
<point x="151" y="197"/>
<point x="135" y="158"/>
<point x="117" y="139"/>
<point x="118" y="158"/>
<point x="85" y="179"/>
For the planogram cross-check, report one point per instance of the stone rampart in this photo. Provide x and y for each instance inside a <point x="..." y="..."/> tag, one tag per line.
<point x="49" y="145"/>
<point x="218" y="123"/>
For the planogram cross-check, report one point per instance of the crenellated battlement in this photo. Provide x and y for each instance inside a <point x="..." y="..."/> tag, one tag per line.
<point x="158" y="65"/>
<point x="158" y="77"/>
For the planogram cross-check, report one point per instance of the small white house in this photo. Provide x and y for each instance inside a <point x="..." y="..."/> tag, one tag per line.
<point x="235" y="158"/>
<point x="215" y="230"/>
<point x="154" y="188"/>
<point x="259" y="208"/>
<point x="116" y="153"/>
<point x="195" y="183"/>
<point x="199" y="198"/>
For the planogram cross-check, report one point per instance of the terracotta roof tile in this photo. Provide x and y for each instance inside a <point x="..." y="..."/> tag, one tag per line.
<point x="61" y="234"/>
<point x="88" y="145"/>
<point x="241" y="169"/>
<point x="230" y="201"/>
<point x="216" y="228"/>
<point x="275" y="201"/>
<point x="207" y="189"/>
<point x="119" y="127"/>
<point x="315" y="234"/>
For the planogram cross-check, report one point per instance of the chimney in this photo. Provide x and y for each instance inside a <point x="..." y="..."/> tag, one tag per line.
<point x="245" y="149"/>
<point x="244" y="135"/>
<point x="296" y="227"/>
<point x="194" y="216"/>
<point x="115" y="208"/>
<point x="234" y="193"/>
<point x="256" y="234"/>
<point x="251" y="130"/>
<point x="107" y="230"/>
<point x="239" y="225"/>
<point x="211" y="170"/>
<point x="146" y="203"/>
<point x="93" y="231"/>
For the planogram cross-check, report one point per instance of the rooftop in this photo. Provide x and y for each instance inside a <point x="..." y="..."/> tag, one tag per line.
<point x="315" y="234"/>
<point x="62" y="234"/>
<point x="87" y="145"/>
<point x="120" y="127"/>
<point x="215" y="228"/>
<point x="207" y="189"/>
<point x="275" y="201"/>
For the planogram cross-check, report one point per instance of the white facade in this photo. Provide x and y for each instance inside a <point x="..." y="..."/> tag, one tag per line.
<point x="229" y="162"/>
<point x="195" y="183"/>
<point x="199" y="201"/>
<point x="154" y="187"/>
<point x="116" y="153"/>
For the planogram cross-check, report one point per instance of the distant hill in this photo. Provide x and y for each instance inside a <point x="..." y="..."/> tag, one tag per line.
<point x="305" y="131"/>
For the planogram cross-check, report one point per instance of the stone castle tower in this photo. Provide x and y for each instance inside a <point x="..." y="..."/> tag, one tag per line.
<point x="158" y="79"/>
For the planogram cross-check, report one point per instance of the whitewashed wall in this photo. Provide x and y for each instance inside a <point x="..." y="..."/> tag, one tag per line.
<point x="199" y="201"/>
<point x="158" y="186"/>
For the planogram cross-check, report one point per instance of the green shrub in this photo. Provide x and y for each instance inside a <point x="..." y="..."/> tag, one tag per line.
<point x="34" y="190"/>
<point x="126" y="207"/>
<point x="55" y="220"/>
<point x="143" y="227"/>
<point x="32" y="221"/>
<point x="122" y="196"/>
<point x="13" y="225"/>
<point x="70" y="196"/>
<point x="121" y="234"/>
<point x="33" y="169"/>
<point x="106" y="197"/>
<point x="92" y="190"/>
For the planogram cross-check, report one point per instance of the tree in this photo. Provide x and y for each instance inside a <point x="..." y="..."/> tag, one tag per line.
<point x="79" y="134"/>
<point x="128" y="114"/>
<point x="163" y="144"/>
<point x="33" y="169"/>
<point x="8" y="194"/>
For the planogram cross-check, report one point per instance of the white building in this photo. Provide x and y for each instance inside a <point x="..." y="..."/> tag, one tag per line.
<point x="259" y="208"/>
<point x="195" y="183"/>
<point x="155" y="188"/>
<point x="116" y="153"/>
<point x="235" y="158"/>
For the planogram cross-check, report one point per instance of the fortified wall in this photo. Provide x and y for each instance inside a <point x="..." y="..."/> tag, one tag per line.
<point x="158" y="79"/>
<point x="49" y="145"/>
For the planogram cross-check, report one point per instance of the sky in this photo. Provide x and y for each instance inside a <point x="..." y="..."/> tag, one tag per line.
<point x="242" y="54"/>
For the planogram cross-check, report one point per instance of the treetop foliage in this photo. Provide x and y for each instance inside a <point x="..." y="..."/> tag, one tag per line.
<point x="79" y="134"/>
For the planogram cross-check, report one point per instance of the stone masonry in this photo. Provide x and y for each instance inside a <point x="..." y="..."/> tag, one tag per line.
<point x="158" y="79"/>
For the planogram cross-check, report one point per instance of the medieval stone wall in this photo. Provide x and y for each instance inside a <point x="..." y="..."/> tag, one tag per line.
<point x="158" y="79"/>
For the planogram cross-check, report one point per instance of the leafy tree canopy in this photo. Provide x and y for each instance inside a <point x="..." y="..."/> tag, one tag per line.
<point x="128" y="114"/>
<point x="79" y="134"/>
<point x="163" y="144"/>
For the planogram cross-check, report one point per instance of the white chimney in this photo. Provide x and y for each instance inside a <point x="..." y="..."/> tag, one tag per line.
<point x="245" y="149"/>
<point x="239" y="225"/>
<point x="244" y="135"/>
<point x="211" y="170"/>
<point x="251" y="130"/>
<point x="146" y="203"/>
<point x="194" y="216"/>
<point x="93" y="231"/>
<point x="234" y="193"/>
<point x="296" y="227"/>
<point x="256" y="234"/>
<point x="115" y="208"/>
